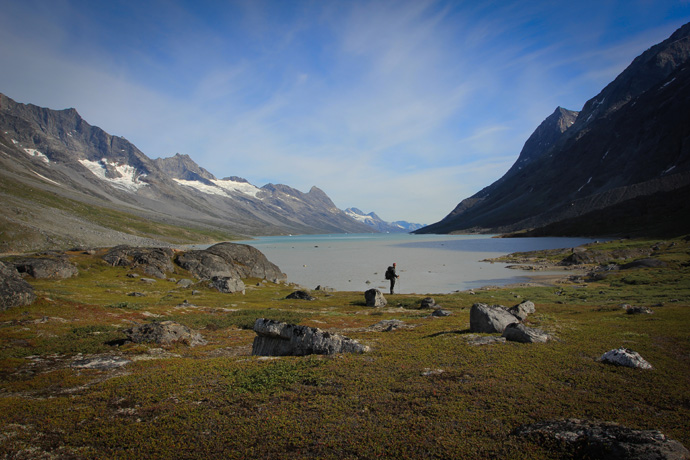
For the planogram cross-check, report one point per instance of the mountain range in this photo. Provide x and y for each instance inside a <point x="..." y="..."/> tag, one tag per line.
<point x="619" y="166"/>
<point x="379" y="225"/>
<point x="63" y="181"/>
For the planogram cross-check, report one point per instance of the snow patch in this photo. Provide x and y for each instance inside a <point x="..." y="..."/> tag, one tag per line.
<point x="667" y="83"/>
<point x="128" y="180"/>
<point x="669" y="170"/>
<point x="583" y="185"/>
<point x="203" y="188"/>
<point x="36" y="153"/>
<point x="233" y="186"/>
<point x="46" y="179"/>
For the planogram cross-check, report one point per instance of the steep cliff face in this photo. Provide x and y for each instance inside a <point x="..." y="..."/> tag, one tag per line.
<point x="629" y="142"/>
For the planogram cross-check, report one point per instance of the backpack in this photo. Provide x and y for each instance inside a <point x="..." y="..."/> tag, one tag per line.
<point x="390" y="273"/>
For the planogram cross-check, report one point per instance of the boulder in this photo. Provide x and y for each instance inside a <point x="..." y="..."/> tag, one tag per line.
<point x="154" y="262"/>
<point x="165" y="333"/>
<point x="630" y="310"/>
<point x="490" y="318"/>
<point x="301" y="295"/>
<point x="625" y="357"/>
<point x="46" y="267"/>
<point x="518" y="332"/>
<point x="644" y="263"/>
<point x="227" y="285"/>
<point x="14" y="291"/>
<point x="275" y="338"/>
<point x="427" y="302"/>
<point x="387" y="325"/>
<point x="185" y="283"/>
<point x="522" y="310"/>
<point x="575" y="438"/>
<point x="205" y="265"/>
<point x="375" y="298"/>
<point x="440" y="312"/>
<point x="248" y="261"/>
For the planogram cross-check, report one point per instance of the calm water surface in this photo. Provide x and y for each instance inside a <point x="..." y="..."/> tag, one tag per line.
<point x="427" y="264"/>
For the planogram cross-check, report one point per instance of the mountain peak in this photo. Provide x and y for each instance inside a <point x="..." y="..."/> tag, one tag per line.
<point x="181" y="166"/>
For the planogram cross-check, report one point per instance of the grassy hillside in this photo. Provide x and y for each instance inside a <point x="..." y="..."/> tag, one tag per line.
<point x="33" y="219"/>
<point x="218" y="401"/>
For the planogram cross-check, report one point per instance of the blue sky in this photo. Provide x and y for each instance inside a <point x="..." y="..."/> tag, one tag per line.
<point x="399" y="107"/>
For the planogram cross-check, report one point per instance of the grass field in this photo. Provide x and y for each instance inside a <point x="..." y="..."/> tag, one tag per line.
<point x="218" y="401"/>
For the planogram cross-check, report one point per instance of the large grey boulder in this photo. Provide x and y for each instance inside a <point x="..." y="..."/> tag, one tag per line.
<point x="625" y="357"/>
<point x="577" y="438"/>
<point x="522" y="310"/>
<point x="56" y="268"/>
<point x="165" y="333"/>
<point x="275" y="338"/>
<point x="518" y="332"/>
<point x="374" y="298"/>
<point x="227" y="285"/>
<point x="205" y="265"/>
<point x="154" y="262"/>
<point x="490" y="318"/>
<point x="248" y="261"/>
<point x="300" y="295"/>
<point x="14" y="291"/>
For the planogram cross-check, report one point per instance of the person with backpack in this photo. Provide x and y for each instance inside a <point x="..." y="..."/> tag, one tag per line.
<point x="392" y="276"/>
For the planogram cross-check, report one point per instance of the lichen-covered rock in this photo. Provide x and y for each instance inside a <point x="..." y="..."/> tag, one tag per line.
<point x="206" y="265"/>
<point x="165" y="333"/>
<point x="275" y="338"/>
<point x="227" y="285"/>
<point x="522" y="310"/>
<point x="56" y="268"/>
<point x="438" y="312"/>
<point x="14" y="291"/>
<point x="625" y="357"/>
<point x="576" y="438"/>
<point x="248" y="261"/>
<point x="154" y="262"/>
<point x="518" y="332"/>
<point x="490" y="318"/>
<point x="427" y="302"/>
<point x="374" y="298"/>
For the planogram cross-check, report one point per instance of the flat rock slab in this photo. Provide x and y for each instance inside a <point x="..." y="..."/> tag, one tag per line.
<point x="592" y="439"/>
<point x="100" y="362"/>
<point x="275" y="338"/>
<point x="625" y="357"/>
<point x="165" y="333"/>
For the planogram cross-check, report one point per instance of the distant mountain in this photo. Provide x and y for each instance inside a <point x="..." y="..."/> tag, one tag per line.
<point x="56" y="153"/>
<point x="379" y="224"/>
<point x="620" y="166"/>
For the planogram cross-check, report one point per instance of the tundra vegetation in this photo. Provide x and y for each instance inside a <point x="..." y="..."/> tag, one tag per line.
<point x="423" y="391"/>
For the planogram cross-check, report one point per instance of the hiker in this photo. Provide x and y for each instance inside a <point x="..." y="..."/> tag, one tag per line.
<point x="390" y="275"/>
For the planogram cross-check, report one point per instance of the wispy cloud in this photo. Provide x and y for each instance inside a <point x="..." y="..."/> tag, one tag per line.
<point x="403" y="108"/>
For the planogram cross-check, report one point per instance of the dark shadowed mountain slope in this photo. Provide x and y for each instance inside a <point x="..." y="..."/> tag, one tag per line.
<point x="632" y="141"/>
<point x="56" y="153"/>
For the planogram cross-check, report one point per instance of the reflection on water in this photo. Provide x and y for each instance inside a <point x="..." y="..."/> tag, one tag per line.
<point x="427" y="264"/>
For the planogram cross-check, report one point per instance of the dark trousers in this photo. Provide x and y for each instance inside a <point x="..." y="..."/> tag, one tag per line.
<point x="392" y="284"/>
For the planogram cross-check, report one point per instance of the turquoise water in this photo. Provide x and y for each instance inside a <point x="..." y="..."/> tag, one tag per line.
<point x="427" y="264"/>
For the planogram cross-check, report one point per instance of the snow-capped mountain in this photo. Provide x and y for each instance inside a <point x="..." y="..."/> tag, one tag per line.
<point x="58" y="153"/>
<point x="379" y="224"/>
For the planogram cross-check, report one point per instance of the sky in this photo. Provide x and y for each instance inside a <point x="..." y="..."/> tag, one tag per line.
<point x="403" y="108"/>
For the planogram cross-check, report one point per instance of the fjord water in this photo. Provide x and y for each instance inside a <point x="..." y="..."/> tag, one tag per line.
<point x="427" y="264"/>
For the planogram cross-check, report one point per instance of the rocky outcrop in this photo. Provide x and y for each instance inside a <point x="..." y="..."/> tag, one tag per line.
<point x="575" y="438"/>
<point x="205" y="265"/>
<point x="490" y="318"/>
<point x="374" y="298"/>
<point x="165" y="333"/>
<point x="625" y="357"/>
<point x="154" y="262"/>
<point x="275" y="338"/>
<point x="518" y="332"/>
<point x="14" y="291"/>
<point x="248" y="261"/>
<point x="56" y="268"/>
